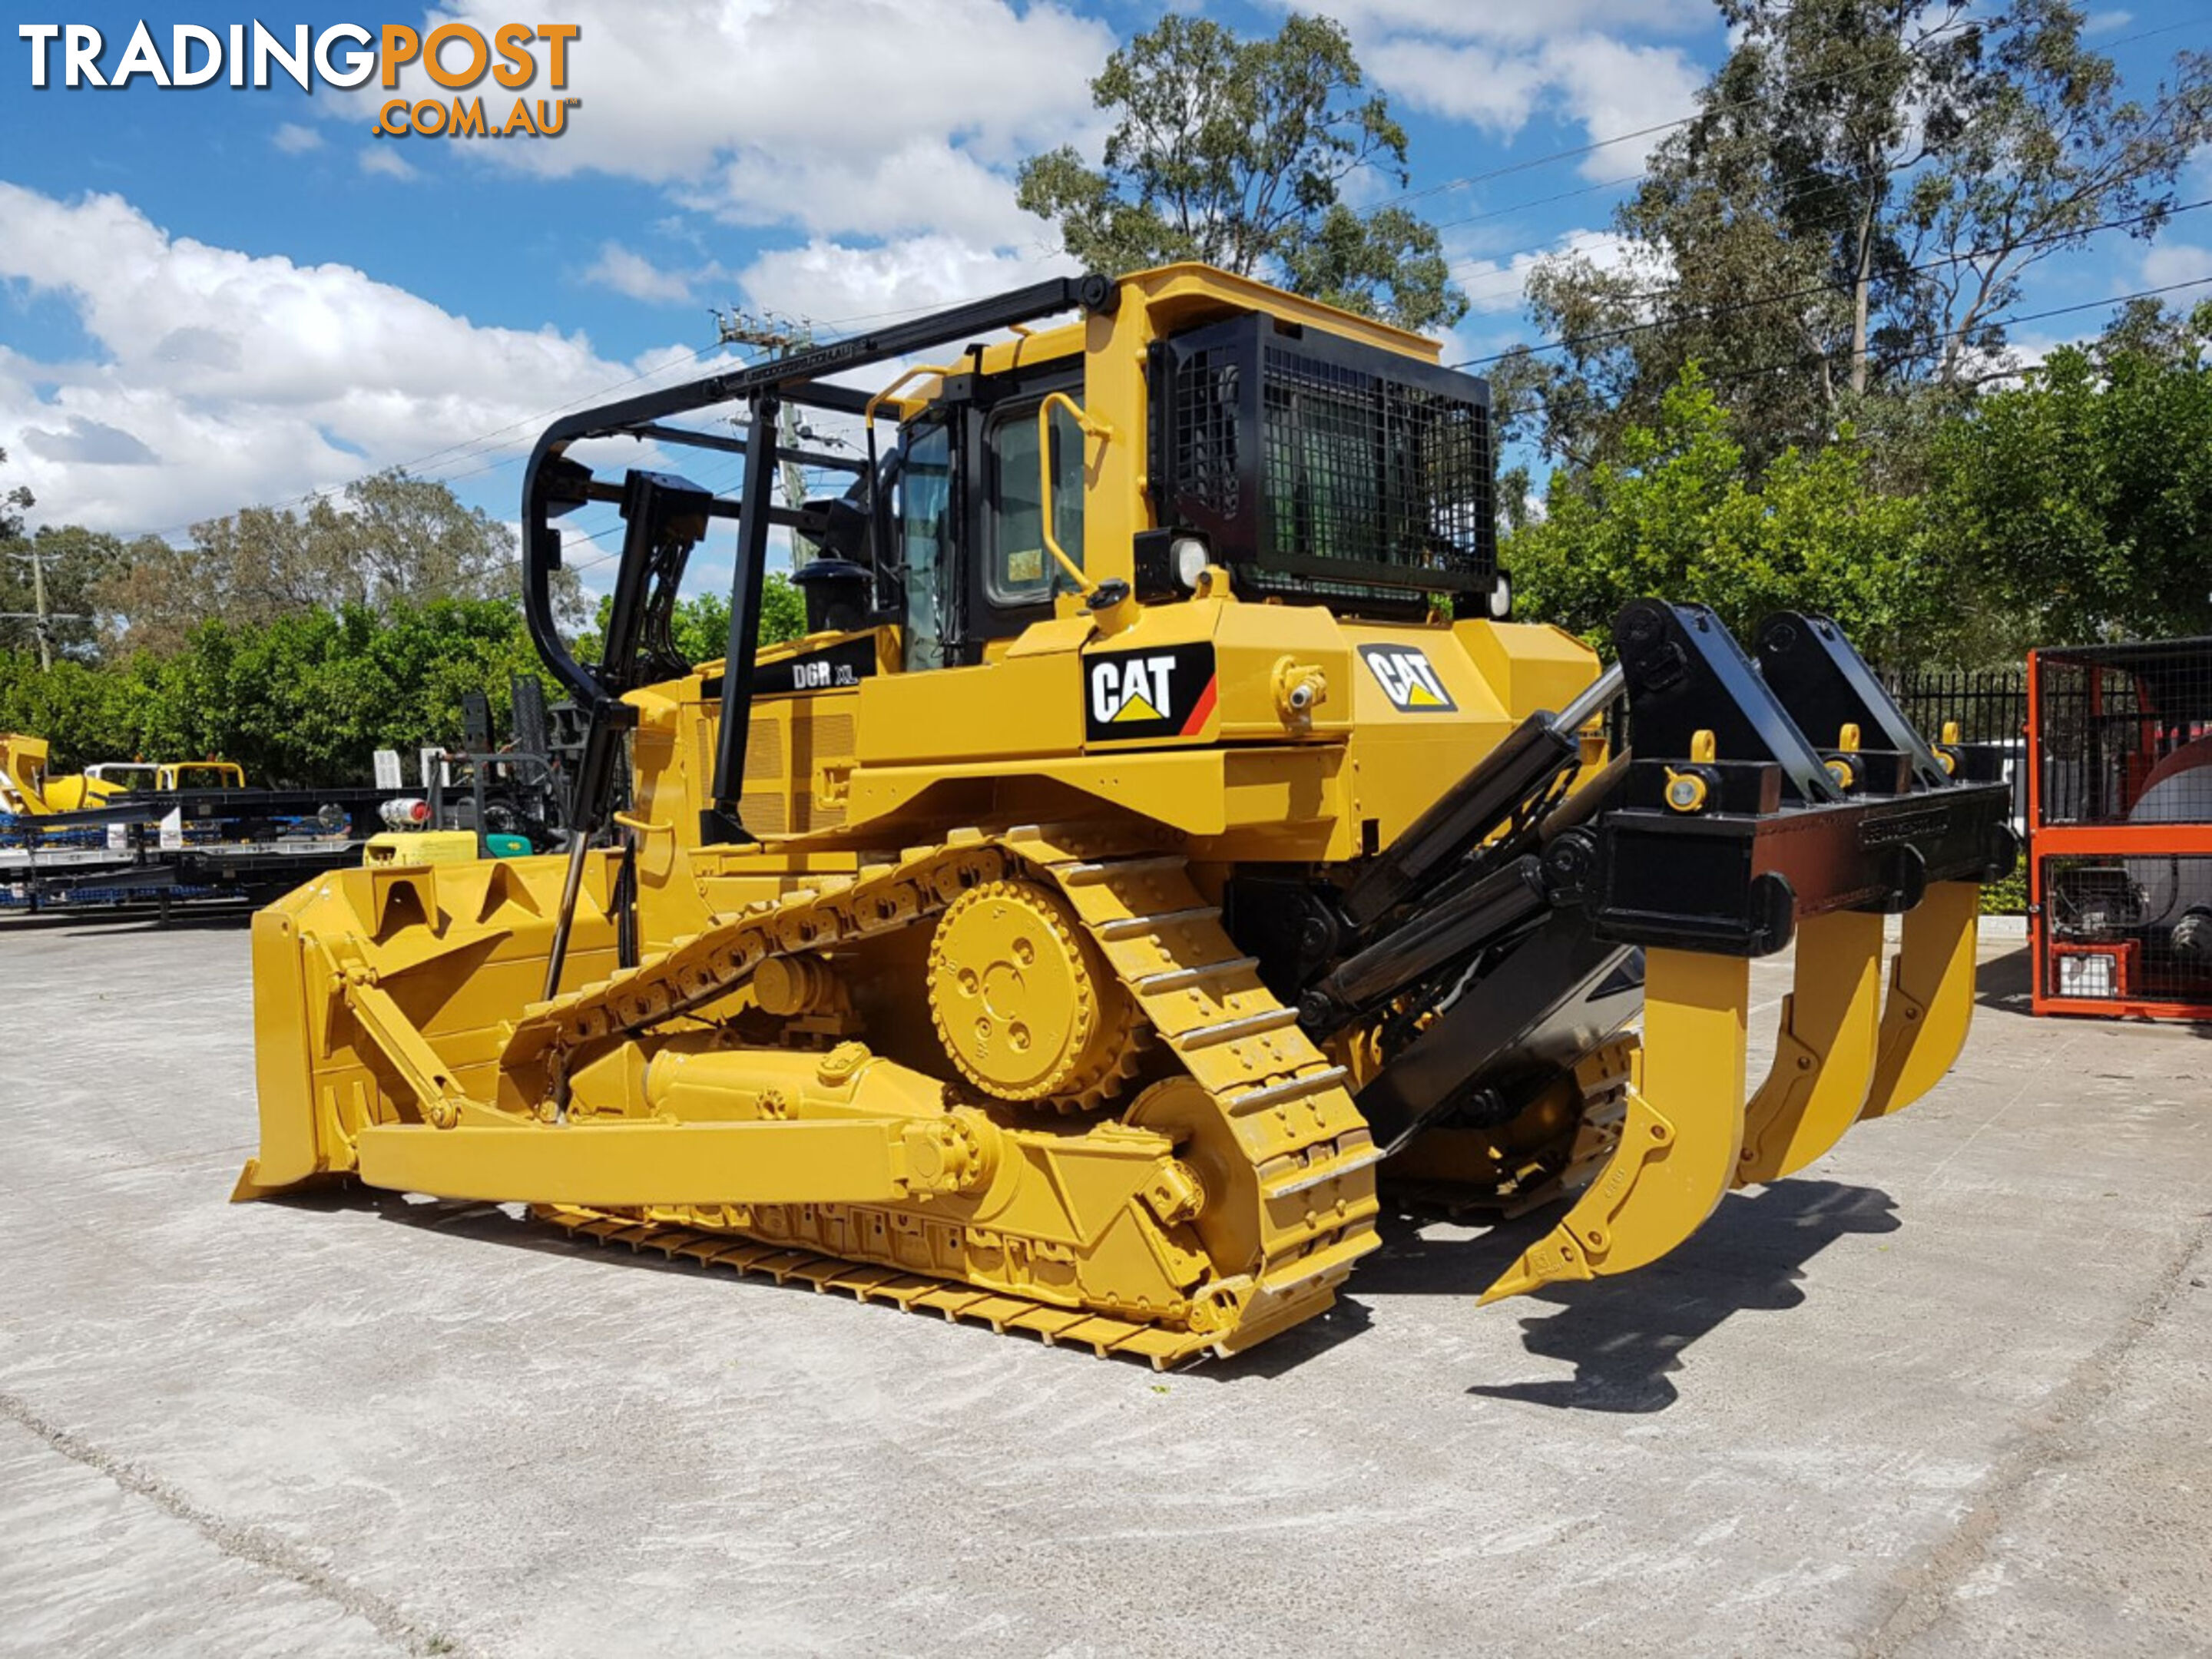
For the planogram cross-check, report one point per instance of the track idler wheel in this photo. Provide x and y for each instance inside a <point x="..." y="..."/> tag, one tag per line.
<point x="1023" y="1003"/>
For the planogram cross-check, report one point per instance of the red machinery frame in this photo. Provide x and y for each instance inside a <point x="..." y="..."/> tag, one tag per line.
<point x="2048" y="841"/>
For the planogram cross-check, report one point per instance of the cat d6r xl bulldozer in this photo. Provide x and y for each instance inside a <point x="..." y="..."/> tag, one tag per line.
<point x="1160" y="836"/>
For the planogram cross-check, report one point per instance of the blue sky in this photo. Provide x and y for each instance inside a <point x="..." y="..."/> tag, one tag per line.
<point x="213" y="297"/>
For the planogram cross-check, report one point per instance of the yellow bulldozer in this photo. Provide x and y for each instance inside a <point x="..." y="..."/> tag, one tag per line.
<point x="1161" y="837"/>
<point x="29" y="790"/>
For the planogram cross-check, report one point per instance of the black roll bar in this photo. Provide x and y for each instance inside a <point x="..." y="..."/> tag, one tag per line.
<point x="553" y="484"/>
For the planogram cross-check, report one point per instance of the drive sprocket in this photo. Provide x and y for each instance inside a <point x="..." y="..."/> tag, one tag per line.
<point x="1022" y="1003"/>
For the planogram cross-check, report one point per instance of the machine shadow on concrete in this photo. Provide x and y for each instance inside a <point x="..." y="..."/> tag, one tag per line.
<point x="1626" y="1336"/>
<point x="2002" y="983"/>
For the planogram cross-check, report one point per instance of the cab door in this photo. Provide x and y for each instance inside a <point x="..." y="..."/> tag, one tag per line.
<point x="1011" y="579"/>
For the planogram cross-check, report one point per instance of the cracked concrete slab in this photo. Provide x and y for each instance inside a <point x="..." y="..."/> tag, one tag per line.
<point x="1945" y="1393"/>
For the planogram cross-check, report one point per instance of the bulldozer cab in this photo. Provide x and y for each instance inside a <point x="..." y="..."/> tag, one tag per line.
<point x="971" y="496"/>
<point x="1325" y="457"/>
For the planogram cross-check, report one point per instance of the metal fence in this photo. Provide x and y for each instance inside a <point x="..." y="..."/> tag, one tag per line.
<point x="1989" y="705"/>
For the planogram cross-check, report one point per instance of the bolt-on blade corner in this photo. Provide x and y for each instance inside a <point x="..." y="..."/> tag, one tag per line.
<point x="1931" y="997"/>
<point x="1682" y="1137"/>
<point x="1824" y="1056"/>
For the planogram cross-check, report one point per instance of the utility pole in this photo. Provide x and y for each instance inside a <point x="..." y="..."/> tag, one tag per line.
<point x="41" y="619"/>
<point x="38" y="604"/>
<point x="779" y="338"/>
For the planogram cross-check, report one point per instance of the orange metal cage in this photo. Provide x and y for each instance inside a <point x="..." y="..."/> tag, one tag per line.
<point x="2119" y="799"/>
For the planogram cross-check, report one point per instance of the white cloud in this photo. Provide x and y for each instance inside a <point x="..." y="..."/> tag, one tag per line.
<point x="1492" y="90"/>
<point x="868" y="117"/>
<point x="2168" y="263"/>
<point x="295" y="140"/>
<point x="1613" y="89"/>
<point x="830" y="284"/>
<point x="2104" y="22"/>
<point x="225" y="379"/>
<point x="633" y="274"/>
<point x="1610" y="87"/>
<point x="1493" y="285"/>
<point x="385" y="163"/>
<point x="1496" y="21"/>
<point x="85" y="442"/>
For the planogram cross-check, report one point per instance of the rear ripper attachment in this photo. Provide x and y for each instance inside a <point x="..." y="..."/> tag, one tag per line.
<point x="1730" y="829"/>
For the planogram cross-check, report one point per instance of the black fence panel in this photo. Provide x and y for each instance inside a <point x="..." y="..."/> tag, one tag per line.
<point x="1989" y="705"/>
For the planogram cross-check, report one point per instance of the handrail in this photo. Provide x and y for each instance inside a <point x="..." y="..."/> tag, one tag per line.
<point x="1091" y="428"/>
<point x="868" y="414"/>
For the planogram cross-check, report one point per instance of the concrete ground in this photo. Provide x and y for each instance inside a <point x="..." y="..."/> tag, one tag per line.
<point x="1949" y="1393"/>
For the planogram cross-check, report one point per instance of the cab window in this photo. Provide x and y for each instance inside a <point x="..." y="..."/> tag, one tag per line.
<point x="1017" y="570"/>
<point x="925" y="504"/>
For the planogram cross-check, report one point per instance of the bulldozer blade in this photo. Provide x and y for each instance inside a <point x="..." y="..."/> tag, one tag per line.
<point x="1824" y="1057"/>
<point x="1681" y="1135"/>
<point x="1931" y="997"/>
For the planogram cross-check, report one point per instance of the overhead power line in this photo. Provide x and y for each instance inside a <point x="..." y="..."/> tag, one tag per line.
<point x="1796" y="89"/>
<point x="1585" y="399"/>
<point x="1735" y="308"/>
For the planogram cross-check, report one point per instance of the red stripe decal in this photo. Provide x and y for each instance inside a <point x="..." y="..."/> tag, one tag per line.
<point x="1203" y="707"/>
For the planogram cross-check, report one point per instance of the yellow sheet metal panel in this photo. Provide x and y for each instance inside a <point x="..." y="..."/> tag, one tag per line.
<point x="1527" y="665"/>
<point x="856" y="1162"/>
<point x="1681" y="1138"/>
<point x="1931" y="996"/>
<point x="1019" y="707"/>
<point x="283" y="1074"/>
<point x="399" y="848"/>
<point x="1824" y="1056"/>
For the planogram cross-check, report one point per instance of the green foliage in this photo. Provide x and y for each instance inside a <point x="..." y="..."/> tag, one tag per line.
<point x="2007" y="898"/>
<point x="393" y="540"/>
<point x="1849" y="216"/>
<point x="74" y="563"/>
<point x="14" y="502"/>
<point x="1678" y="516"/>
<point x="1236" y="152"/>
<point x="2080" y="503"/>
<point x="700" y="626"/>
<point x="301" y="699"/>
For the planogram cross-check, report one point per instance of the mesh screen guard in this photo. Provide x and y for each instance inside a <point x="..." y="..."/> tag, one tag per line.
<point x="1323" y="468"/>
<point x="2123" y="734"/>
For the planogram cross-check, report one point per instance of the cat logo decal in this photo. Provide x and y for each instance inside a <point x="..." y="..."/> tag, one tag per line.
<point x="1167" y="693"/>
<point x="1409" y="679"/>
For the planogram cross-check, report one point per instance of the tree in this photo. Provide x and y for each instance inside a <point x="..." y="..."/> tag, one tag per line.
<point x="2080" y="502"/>
<point x="1849" y="215"/>
<point x="73" y="564"/>
<point x="700" y="625"/>
<point x="392" y="540"/>
<point x="14" y="504"/>
<point x="1675" y="516"/>
<point x="302" y="698"/>
<point x="1236" y="152"/>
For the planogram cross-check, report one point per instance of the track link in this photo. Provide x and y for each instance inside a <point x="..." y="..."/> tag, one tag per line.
<point x="1299" y="1197"/>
